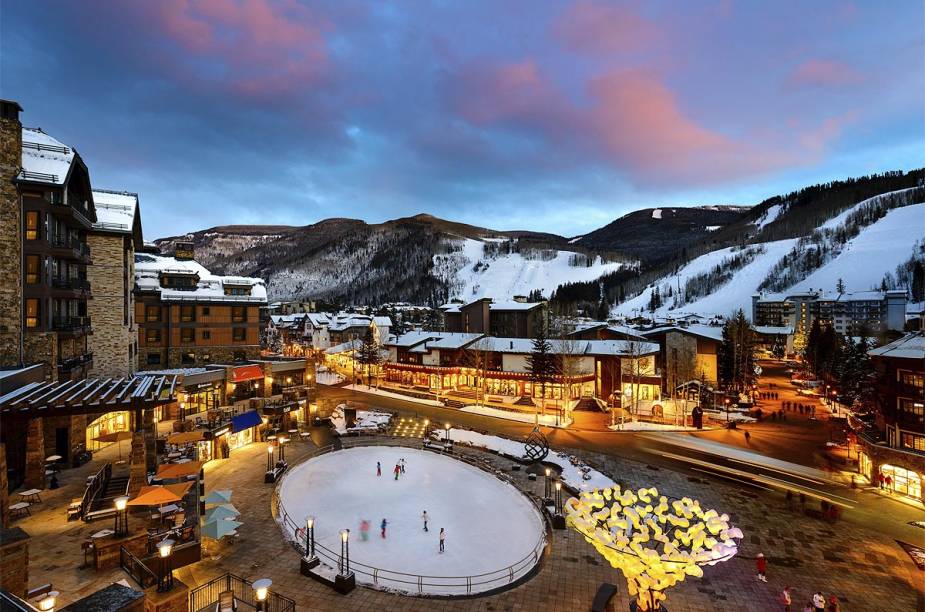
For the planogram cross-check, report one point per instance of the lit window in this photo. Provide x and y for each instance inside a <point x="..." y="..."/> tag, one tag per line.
<point x="32" y="225"/>
<point x="32" y="312"/>
<point x="32" y="269"/>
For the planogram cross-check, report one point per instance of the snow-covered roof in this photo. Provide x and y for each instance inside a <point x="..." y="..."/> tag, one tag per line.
<point x="382" y="321"/>
<point x="617" y="329"/>
<point x="514" y="305"/>
<point x="45" y="159"/>
<point x="711" y="332"/>
<point x="771" y="330"/>
<point x="115" y="210"/>
<point x="343" y="347"/>
<point x="451" y="307"/>
<point x="287" y="320"/>
<point x="524" y="346"/>
<point x="452" y="340"/>
<point x="910" y="346"/>
<point x="210" y="287"/>
<point x="318" y="319"/>
<point x="413" y="338"/>
<point x="172" y="372"/>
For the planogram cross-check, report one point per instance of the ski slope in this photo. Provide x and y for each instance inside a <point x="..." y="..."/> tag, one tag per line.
<point x="507" y="275"/>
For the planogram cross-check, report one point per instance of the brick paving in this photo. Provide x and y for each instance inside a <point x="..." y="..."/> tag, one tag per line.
<point x="864" y="568"/>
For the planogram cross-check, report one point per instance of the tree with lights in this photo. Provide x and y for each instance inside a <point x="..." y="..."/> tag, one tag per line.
<point x="655" y="542"/>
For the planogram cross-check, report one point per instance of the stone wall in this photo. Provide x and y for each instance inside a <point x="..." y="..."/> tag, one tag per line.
<point x="35" y="454"/>
<point x="10" y="243"/>
<point x="42" y="347"/>
<point x="4" y="490"/>
<point x="14" y="561"/>
<point x="112" y="333"/>
<point x="217" y="354"/>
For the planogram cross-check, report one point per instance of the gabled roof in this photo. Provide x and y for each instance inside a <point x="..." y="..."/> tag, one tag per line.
<point x="524" y="346"/>
<point x="711" y="332"/>
<point x="45" y="159"/>
<point x="910" y="346"/>
<point x="118" y="212"/>
<point x="210" y="287"/>
<point x="501" y="306"/>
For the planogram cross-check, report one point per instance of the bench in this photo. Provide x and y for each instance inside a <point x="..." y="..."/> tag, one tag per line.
<point x="602" y="598"/>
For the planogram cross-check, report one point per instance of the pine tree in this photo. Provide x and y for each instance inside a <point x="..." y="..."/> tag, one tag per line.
<point x="368" y="354"/>
<point x="918" y="281"/>
<point x="541" y="362"/>
<point x="737" y="354"/>
<point x="840" y="286"/>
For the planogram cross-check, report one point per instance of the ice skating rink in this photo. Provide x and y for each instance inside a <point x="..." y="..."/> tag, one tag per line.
<point x="489" y="524"/>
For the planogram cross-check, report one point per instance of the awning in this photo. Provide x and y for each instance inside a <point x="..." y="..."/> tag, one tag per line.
<point x="240" y="422"/>
<point x="185" y="437"/>
<point x="248" y="372"/>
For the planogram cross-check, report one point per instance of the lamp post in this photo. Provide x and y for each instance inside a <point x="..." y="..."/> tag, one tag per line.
<point x="261" y="590"/>
<point x="546" y="484"/>
<point x="426" y="424"/>
<point x="47" y="603"/>
<point x="345" y="552"/>
<point x="558" y="497"/>
<point x="282" y="448"/>
<point x="834" y="402"/>
<point x="269" y="457"/>
<point x="310" y="537"/>
<point x="446" y="428"/>
<point x="121" y="516"/>
<point x="164" y="550"/>
<point x="726" y="402"/>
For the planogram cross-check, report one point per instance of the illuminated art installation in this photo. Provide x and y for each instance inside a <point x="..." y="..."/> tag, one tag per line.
<point x="655" y="542"/>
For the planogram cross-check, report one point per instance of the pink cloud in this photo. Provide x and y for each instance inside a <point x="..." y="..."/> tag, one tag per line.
<point x="594" y="28"/>
<point x="823" y="73"/>
<point x="252" y="47"/>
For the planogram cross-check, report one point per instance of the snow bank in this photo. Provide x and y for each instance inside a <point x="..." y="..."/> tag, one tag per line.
<point x="374" y="391"/>
<point x="366" y="420"/>
<point x="647" y="426"/>
<point x="547" y="420"/>
<point x="328" y="378"/>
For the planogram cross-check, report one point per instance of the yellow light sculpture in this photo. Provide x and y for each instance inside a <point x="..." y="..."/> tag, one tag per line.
<point x="654" y="542"/>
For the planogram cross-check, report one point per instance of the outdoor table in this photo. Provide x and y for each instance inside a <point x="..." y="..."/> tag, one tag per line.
<point x="102" y="533"/>
<point x="32" y="495"/>
<point x="305" y="434"/>
<point x="174" y="455"/>
<point x="52" y="458"/>
<point x="293" y="431"/>
<point x="20" y="508"/>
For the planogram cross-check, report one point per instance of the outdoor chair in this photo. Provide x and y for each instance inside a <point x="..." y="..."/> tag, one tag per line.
<point x="226" y="602"/>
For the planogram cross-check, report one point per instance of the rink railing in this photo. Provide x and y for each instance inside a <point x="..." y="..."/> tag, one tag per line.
<point x="415" y="583"/>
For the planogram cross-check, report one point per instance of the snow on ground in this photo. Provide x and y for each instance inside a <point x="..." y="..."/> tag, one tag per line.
<point x="510" y="274"/>
<point x="840" y="218"/>
<point x="657" y="213"/>
<point x="735" y="294"/>
<point x="547" y="420"/>
<point x="571" y="473"/>
<point x="648" y="426"/>
<point x="326" y="377"/>
<point x="489" y="524"/>
<point x="383" y="393"/>
<point x="366" y="420"/>
<point x="878" y="249"/>
<point x="770" y="215"/>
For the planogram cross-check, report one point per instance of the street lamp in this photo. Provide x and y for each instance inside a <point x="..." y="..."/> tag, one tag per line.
<point x="269" y="457"/>
<point x="546" y="484"/>
<point x="558" y="497"/>
<point x="345" y="552"/>
<point x="47" y="603"/>
<point x="726" y="402"/>
<point x="121" y="516"/>
<point x="164" y="550"/>
<point x="261" y="590"/>
<point x="282" y="448"/>
<point x="310" y="537"/>
<point x="447" y="429"/>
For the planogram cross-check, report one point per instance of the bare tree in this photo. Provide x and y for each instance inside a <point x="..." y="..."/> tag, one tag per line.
<point x="475" y="357"/>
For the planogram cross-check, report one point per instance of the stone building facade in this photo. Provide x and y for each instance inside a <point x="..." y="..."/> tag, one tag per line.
<point x="11" y="236"/>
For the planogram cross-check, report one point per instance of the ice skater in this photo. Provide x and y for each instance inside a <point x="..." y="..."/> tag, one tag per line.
<point x="442" y="538"/>
<point x="397" y="471"/>
<point x="383" y="526"/>
<point x="364" y="530"/>
<point x="378" y="469"/>
<point x="402" y="464"/>
<point x="425" y="519"/>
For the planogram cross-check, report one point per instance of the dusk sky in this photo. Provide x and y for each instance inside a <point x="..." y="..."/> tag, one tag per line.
<point x="553" y="116"/>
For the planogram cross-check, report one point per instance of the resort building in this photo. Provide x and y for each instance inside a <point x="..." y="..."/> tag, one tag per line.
<point x="187" y="316"/>
<point x="894" y="444"/>
<point x="514" y="319"/>
<point x="687" y="353"/>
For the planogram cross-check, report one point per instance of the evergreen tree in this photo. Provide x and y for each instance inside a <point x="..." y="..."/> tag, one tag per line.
<point x="737" y="354"/>
<point x="368" y="354"/>
<point x="541" y="362"/>
<point x="840" y="286"/>
<point x="918" y="281"/>
<point x="778" y="350"/>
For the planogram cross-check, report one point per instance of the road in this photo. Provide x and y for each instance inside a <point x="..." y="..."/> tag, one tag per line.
<point x="702" y="454"/>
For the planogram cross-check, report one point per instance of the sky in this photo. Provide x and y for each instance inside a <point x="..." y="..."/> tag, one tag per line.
<point x="555" y="116"/>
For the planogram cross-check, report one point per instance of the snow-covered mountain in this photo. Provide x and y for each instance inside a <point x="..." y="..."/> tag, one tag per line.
<point x="861" y="247"/>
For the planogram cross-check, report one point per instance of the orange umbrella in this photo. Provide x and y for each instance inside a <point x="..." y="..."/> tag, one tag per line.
<point x="185" y="437"/>
<point x="179" y="470"/>
<point x="115" y="436"/>
<point x="154" y="496"/>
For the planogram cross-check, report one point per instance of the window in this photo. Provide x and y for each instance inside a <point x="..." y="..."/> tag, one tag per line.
<point x="187" y="335"/>
<point x="32" y="225"/>
<point x="154" y="358"/>
<point x="152" y="335"/>
<point x="206" y="334"/>
<point x="238" y="314"/>
<point x="32" y="269"/>
<point x="188" y="358"/>
<point x="912" y="441"/>
<point x="205" y="311"/>
<point x="229" y="290"/>
<point x="187" y="313"/>
<point x="911" y="411"/>
<point x="152" y="314"/>
<point x="32" y="312"/>
<point x="238" y="334"/>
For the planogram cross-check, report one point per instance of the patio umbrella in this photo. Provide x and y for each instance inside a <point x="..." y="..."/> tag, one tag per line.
<point x="115" y="436"/>
<point x="218" y="497"/>
<point x="220" y="513"/>
<point x="155" y="495"/>
<point x="219" y="529"/>
<point x="185" y="437"/>
<point x="179" y="470"/>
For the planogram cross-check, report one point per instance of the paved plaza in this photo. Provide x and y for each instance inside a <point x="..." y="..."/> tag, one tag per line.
<point x="863" y="568"/>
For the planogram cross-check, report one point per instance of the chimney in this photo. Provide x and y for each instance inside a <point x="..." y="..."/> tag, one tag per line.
<point x="184" y="251"/>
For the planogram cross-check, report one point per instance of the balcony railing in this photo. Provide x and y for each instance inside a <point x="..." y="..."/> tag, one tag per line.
<point x="80" y="249"/>
<point x="70" y="283"/>
<point x="70" y="323"/>
<point x="75" y="362"/>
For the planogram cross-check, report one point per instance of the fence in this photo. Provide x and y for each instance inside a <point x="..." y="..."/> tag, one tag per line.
<point x="421" y="584"/>
<point x="206" y="596"/>
<point x="135" y="568"/>
<point x="93" y="489"/>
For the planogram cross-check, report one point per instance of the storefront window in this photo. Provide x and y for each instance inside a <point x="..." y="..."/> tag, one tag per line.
<point x="108" y="423"/>
<point x="905" y="482"/>
<point x="864" y="465"/>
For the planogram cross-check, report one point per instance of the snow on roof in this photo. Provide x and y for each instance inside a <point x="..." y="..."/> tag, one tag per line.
<point x="452" y="340"/>
<point x="318" y="319"/>
<point x="451" y="307"/>
<point x="44" y="159"/>
<point x="524" y="346"/>
<point x="770" y="330"/>
<point x="704" y="331"/>
<point x="172" y="372"/>
<point x="382" y="321"/>
<point x="514" y="305"/>
<point x="413" y="338"/>
<point x="210" y="287"/>
<point x="115" y="210"/>
<point x="910" y="346"/>
<point x="343" y="347"/>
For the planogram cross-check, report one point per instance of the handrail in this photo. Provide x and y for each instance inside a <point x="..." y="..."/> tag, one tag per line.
<point x="294" y="533"/>
<point x="136" y="568"/>
<point x="95" y="486"/>
<point x="207" y="595"/>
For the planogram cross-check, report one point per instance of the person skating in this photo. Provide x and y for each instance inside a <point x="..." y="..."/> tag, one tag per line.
<point x="761" y="564"/>
<point x="819" y="601"/>
<point x="397" y="471"/>
<point x="442" y="538"/>
<point x="383" y="526"/>
<point x="833" y="604"/>
<point x="786" y="599"/>
<point x="401" y="462"/>
<point x="364" y="530"/>
<point x="378" y="469"/>
<point x="425" y="519"/>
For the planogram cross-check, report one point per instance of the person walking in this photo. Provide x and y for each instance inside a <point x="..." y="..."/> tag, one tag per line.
<point x="442" y="538"/>
<point x="889" y="483"/>
<point x="425" y="518"/>
<point x="378" y="469"/>
<point x="384" y="524"/>
<point x="833" y="604"/>
<point x="748" y="436"/>
<point x="819" y="602"/>
<point x="881" y="479"/>
<point x="785" y="599"/>
<point x="761" y="564"/>
<point x="397" y="471"/>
